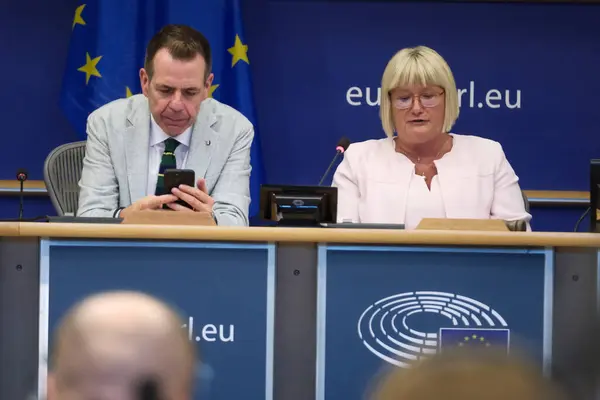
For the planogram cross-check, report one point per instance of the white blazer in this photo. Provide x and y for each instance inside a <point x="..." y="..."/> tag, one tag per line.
<point x="475" y="181"/>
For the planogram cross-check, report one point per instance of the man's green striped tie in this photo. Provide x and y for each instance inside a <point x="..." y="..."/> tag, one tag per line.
<point x="168" y="161"/>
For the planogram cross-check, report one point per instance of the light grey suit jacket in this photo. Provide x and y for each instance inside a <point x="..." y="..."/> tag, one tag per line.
<point x="115" y="167"/>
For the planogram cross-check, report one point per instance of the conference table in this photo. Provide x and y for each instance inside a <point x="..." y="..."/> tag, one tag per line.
<point x="302" y="313"/>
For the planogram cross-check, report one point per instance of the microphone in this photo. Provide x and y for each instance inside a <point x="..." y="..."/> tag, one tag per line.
<point x="148" y="390"/>
<point x="21" y="177"/>
<point x="341" y="147"/>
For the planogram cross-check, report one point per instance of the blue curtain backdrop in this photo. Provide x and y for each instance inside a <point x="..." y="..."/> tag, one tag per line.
<point x="107" y="48"/>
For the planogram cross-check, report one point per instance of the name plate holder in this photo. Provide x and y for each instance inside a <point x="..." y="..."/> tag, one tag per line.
<point x="460" y="224"/>
<point x="168" y="217"/>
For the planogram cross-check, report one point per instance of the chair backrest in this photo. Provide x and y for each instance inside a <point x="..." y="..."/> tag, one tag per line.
<point x="525" y="201"/>
<point x="62" y="171"/>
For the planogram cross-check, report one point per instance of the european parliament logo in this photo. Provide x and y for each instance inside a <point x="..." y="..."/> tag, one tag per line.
<point x="407" y="327"/>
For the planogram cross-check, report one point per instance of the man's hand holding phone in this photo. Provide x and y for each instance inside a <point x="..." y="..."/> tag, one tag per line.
<point x="149" y="203"/>
<point x="195" y="198"/>
<point x="183" y="195"/>
<point x="191" y="196"/>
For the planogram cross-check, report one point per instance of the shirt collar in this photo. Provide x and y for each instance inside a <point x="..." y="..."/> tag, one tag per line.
<point x="157" y="135"/>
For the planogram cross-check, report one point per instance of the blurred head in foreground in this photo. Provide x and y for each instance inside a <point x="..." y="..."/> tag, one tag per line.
<point x="110" y="345"/>
<point x="467" y="376"/>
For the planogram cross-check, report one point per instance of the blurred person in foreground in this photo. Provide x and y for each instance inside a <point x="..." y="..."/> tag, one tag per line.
<point x="422" y="169"/>
<point x="467" y="375"/>
<point x="112" y="346"/>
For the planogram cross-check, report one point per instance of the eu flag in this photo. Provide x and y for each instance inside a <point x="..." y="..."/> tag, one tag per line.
<point x="474" y="338"/>
<point x="108" y="45"/>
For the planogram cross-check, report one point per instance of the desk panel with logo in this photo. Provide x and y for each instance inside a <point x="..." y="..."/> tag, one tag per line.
<point x="225" y="292"/>
<point x="382" y="307"/>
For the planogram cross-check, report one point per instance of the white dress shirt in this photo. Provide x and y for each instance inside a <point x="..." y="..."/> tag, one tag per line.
<point x="376" y="184"/>
<point x="157" y="148"/>
<point x="422" y="202"/>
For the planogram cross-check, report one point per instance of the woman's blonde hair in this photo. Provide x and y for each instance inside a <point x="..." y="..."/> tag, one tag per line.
<point x="417" y="66"/>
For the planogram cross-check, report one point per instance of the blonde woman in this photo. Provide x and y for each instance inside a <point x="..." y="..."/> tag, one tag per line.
<point x="422" y="169"/>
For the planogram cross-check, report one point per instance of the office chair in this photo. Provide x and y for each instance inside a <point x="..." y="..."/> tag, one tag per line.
<point x="525" y="200"/>
<point x="62" y="171"/>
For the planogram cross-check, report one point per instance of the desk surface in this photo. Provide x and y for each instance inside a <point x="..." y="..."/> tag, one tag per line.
<point x="319" y="235"/>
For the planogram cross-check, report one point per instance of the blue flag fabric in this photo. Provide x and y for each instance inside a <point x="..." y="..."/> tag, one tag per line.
<point x="474" y="338"/>
<point x="108" y="45"/>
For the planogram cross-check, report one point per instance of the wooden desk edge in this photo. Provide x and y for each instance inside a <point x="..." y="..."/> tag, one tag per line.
<point x="10" y="229"/>
<point x="308" y="235"/>
<point x="557" y="194"/>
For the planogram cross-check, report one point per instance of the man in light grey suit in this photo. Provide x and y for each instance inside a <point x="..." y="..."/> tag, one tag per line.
<point x="127" y="138"/>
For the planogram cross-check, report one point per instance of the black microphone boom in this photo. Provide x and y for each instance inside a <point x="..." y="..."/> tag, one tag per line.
<point x="341" y="147"/>
<point x="21" y="177"/>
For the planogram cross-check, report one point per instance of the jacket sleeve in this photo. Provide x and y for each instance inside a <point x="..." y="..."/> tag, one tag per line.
<point x="98" y="187"/>
<point x="348" y="191"/>
<point x="508" y="203"/>
<point x="231" y="192"/>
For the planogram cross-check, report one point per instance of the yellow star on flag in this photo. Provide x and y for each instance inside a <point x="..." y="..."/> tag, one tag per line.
<point x="212" y="90"/>
<point x="128" y="92"/>
<point x="78" y="19"/>
<point x="239" y="51"/>
<point x="90" y="67"/>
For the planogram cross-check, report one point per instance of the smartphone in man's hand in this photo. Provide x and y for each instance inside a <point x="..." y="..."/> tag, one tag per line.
<point x="175" y="177"/>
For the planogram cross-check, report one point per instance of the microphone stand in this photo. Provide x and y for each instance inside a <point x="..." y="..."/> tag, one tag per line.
<point x="21" y="201"/>
<point x="21" y="177"/>
<point x="329" y="168"/>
